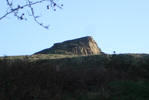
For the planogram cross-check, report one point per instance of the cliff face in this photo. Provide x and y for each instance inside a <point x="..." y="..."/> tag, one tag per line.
<point x="80" y="46"/>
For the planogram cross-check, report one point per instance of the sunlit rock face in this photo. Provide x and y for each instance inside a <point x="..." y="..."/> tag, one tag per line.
<point x="80" y="46"/>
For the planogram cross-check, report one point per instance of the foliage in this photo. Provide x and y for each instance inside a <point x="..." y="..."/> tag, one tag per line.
<point x="105" y="77"/>
<point x="128" y="90"/>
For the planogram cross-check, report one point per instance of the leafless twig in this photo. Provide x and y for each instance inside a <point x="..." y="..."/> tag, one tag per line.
<point x="29" y="4"/>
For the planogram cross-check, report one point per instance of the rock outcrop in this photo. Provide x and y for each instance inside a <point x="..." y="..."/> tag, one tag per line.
<point x="80" y="46"/>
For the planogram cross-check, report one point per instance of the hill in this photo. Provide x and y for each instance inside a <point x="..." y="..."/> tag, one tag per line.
<point x="94" y="77"/>
<point x="80" y="46"/>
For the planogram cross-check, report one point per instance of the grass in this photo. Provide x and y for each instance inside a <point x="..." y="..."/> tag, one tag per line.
<point x="67" y="77"/>
<point x="37" y="57"/>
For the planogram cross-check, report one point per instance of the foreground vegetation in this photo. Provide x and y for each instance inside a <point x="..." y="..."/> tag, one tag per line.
<point x="97" y="77"/>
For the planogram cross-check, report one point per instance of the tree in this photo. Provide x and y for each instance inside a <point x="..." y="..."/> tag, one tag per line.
<point x="17" y="9"/>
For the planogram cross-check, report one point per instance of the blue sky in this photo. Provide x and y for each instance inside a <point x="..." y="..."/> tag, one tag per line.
<point x="116" y="25"/>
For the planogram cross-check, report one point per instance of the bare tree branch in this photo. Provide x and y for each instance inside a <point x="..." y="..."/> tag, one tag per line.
<point x="29" y="4"/>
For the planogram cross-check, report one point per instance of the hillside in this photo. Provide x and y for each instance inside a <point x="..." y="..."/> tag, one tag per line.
<point x="94" y="77"/>
<point x="80" y="46"/>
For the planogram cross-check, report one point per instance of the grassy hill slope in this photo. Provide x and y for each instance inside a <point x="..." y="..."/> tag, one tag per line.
<point x="65" y="77"/>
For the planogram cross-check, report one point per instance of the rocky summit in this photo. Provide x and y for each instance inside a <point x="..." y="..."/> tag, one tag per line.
<point x="80" y="46"/>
